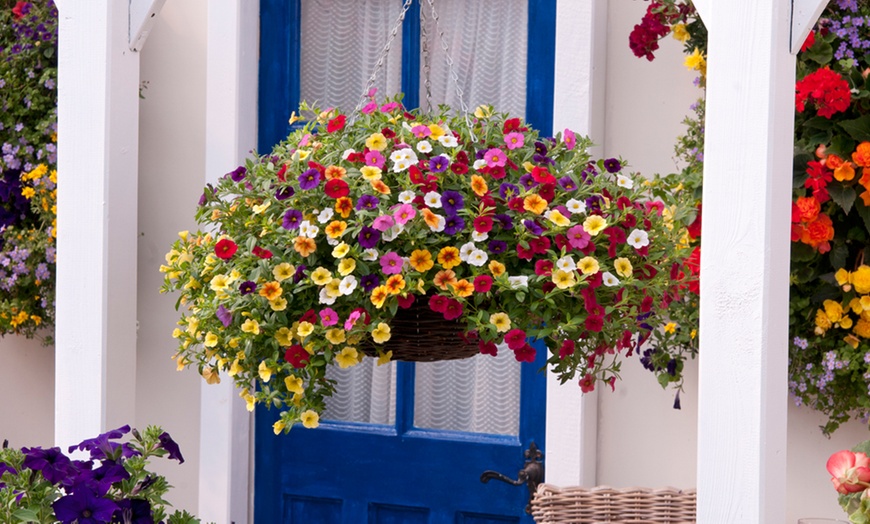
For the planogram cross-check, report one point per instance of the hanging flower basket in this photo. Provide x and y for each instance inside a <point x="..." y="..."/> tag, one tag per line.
<point x="420" y="237"/>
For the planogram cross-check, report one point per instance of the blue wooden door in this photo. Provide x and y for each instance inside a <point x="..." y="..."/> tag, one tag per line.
<point x="403" y="469"/>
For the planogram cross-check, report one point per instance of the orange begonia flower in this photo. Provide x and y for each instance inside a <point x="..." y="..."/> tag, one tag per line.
<point x="861" y="156"/>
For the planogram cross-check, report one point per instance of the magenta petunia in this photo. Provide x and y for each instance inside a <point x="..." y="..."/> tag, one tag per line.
<point x="495" y="157"/>
<point x="569" y="138"/>
<point x="328" y="317"/>
<point x="351" y="320"/>
<point x="421" y="131"/>
<point x="375" y="158"/>
<point x="438" y="303"/>
<point x="525" y="354"/>
<point x="383" y="223"/>
<point x="391" y="263"/>
<point x="515" y="338"/>
<point x="514" y="140"/>
<point x="404" y="213"/>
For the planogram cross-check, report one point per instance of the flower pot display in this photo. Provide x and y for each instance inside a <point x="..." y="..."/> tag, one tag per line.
<point x="419" y="237"/>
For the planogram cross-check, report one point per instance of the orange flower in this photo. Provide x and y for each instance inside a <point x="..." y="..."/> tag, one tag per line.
<point x="845" y="172"/>
<point x="271" y="290"/>
<point x="865" y="179"/>
<point x="448" y="257"/>
<point x="344" y="206"/>
<point x="496" y="268"/>
<point x="463" y="288"/>
<point x="861" y="156"/>
<point x="304" y="245"/>
<point x="421" y="260"/>
<point x="818" y="232"/>
<point x="379" y="295"/>
<point x="430" y="218"/>
<point x="833" y="161"/>
<point x="333" y="172"/>
<point x="444" y="278"/>
<point x="535" y="204"/>
<point x="335" y="228"/>
<point x="865" y="196"/>
<point x="808" y="208"/>
<point x="395" y="284"/>
<point x="478" y="185"/>
<point x="380" y="187"/>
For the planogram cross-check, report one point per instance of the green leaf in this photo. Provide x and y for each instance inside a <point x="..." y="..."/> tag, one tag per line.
<point x="844" y="196"/>
<point x="821" y="53"/>
<point x="863" y="212"/>
<point x="838" y="254"/>
<point x="26" y="515"/>
<point x="842" y="146"/>
<point x="859" y="128"/>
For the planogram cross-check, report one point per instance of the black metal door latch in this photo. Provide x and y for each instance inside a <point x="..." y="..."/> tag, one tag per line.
<point x="531" y="475"/>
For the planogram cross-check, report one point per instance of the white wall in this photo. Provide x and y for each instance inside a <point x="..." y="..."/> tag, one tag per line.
<point x="27" y="390"/>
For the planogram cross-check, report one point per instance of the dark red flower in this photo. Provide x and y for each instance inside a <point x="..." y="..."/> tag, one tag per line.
<point x="225" y="248"/>
<point x="309" y="316"/>
<point x="544" y="268"/>
<point x="297" y="356"/>
<point x="405" y="301"/>
<point x="644" y="38"/>
<point x="262" y="253"/>
<point x="567" y="349"/>
<point x="482" y="283"/>
<point x="388" y="133"/>
<point x="336" y="124"/>
<point x="488" y="348"/>
<point x="281" y="172"/>
<point x="515" y="338"/>
<point x="336" y="188"/>
<point x="695" y="227"/>
<point x="594" y="323"/>
<point x="453" y="309"/>
<point x="459" y="169"/>
<point x="438" y="303"/>
<point x="512" y="124"/>
<point x="525" y="354"/>
<point x="524" y="252"/>
<point x="483" y="224"/>
<point x="539" y="245"/>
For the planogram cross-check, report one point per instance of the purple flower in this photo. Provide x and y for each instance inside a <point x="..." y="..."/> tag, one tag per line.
<point x="497" y="247"/>
<point x="507" y="191"/>
<point x="224" y="315"/>
<point x="283" y="193"/>
<point x="369" y="282"/>
<point x="506" y="222"/>
<point x="309" y="179"/>
<point x="567" y="183"/>
<point x="136" y="511"/>
<point x="238" y="174"/>
<point x="53" y="464"/>
<point x="527" y="181"/>
<point x="540" y="149"/>
<point x="391" y="263"/>
<point x="438" y="164"/>
<point x="368" y="237"/>
<point x="299" y="274"/>
<point x="367" y="202"/>
<point x="101" y="479"/>
<point x="453" y="224"/>
<point x="612" y="165"/>
<point x="292" y="219"/>
<point x="247" y="287"/>
<point x="533" y="227"/>
<point x="451" y="202"/>
<point x="171" y="447"/>
<point x="84" y="507"/>
<point x="101" y="448"/>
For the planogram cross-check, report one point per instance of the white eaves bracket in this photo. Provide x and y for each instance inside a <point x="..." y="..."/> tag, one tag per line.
<point x="143" y="14"/>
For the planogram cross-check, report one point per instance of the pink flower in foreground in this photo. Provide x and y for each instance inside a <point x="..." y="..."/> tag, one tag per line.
<point x="850" y="472"/>
<point x="328" y="317"/>
<point x="405" y="213"/>
<point x="569" y="138"/>
<point x="587" y="383"/>
<point x="514" y="140"/>
<point x="351" y="320"/>
<point x="495" y="157"/>
<point x="391" y="263"/>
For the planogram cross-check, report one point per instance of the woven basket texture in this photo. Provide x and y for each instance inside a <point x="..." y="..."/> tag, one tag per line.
<point x="418" y="334"/>
<point x="603" y="504"/>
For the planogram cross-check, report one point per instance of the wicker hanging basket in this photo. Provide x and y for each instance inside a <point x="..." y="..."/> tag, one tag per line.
<point x="419" y="334"/>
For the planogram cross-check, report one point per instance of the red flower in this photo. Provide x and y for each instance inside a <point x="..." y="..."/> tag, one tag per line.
<point x="525" y="354"/>
<point x="826" y="89"/>
<point x="512" y="124"/>
<point x="694" y="228"/>
<point x="644" y="39"/>
<point x="262" y="253"/>
<point x="459" y="169"/>
<point x="438" y="303"/>
<point x="567" y="349"/>
<point x="515" y="338"/>
<point x="309" y="316"/>
<point x="808" y="43"/>
<point x="539" y="245"/>
<point x="541" y="175"/>
<point x="587" y="383"/>
<point x="406" y="301"/>
<point x="336" y="188"/>
<point x="17" y="11"/>
<point x="453" y="309"/>
<point x="849" y="471"/>
<point x="547" y="191"/>
<point x="488" y="348"/>
<point x="595" y="323"/>
<point x="297" y="356"/>
<point x="482" y="283"/>
<point x="225" y="248"/>
<point x="281" y="172"/>
<point x="483" y="224"/>
<point x="388" y="133"/>
<point x="336" y="124"/>
<point x="544" y="268"/>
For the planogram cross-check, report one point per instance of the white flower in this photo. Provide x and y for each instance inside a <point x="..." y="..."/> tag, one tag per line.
<point x="566" y="263"/>
<point x="347" y="153"/>
<point x="406" y="126"/>
<point x="479" y="237"/>
<point x="391" y="234"/>
<point x="609" y="280"/>
<point x="576" y="206"/>
<point x="518" y="282"/>
<point x="442" y="222"/>
<point x="325" y="215"/>
<point x="448" y="140"/>
<point x="370" y="255"/>
<point x="432" y="199"/>
<point x="397" y="155"/>
<point x="347" y="285"/>
<point x="479" y="163"/>
<point x="624" y="181"/>
<point x="466" y="250"/>
<point x="638" y="238"/>
<point x="307" y="229"/>
<point x="400" y="166"/>
<point x="409" y="155"/>
<point x="477" y="257"/>
<point x="325" y="298"/>
<point x="406" y="197"/>
<point x="424" y="146"/>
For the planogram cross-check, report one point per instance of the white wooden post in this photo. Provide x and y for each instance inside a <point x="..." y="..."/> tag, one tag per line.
<point x="745" y="261"/>
<point x="226" y="480"/>
<point x="98" y="81"/>
<point x="572" y="418"/>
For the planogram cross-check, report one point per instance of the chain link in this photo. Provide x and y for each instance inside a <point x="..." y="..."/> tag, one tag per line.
<point x="427" y="66"/>
<point x="380" y="64"/>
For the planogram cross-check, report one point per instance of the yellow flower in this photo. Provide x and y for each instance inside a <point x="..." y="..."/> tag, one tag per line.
<point x="861" y="279"/>
<point x="294" y="384"/>
<point x="249" y="399"/>
<point x="588" y="266"/>
<point x="264" y="371"/>
<point x="251" y="326"/>
<point x="340" y="250"/>
<point x="846" y="322"/>
<point x="28" y="192"/>
<point x="680" y="32"/>
<point x="279" y="304"/>
<point x="335" y="336"/>
<point x="211" y="340"/>
<point x="842" y="276"/>
<point x="381" y="333"/>
<point x="384" y="358"/>
<point x="211" y="376"/>
<point x="864" y="302"/>
<point x="305" y="329"/>
<point x="564" y="279"/>
<point x="395" y="284"/>
<point x="321" y="276"/>
<point x="283" y="271"/>
<point x="862" y="328"/>
<point x="347" y="357"/>
<point x="496" y="268"/>
<point x="278" y="427"/>
<point x="697" y="62"/>
<point x="371" y="173"/>
<point x="310" y="419"/>
<point x="379" y="295"/>
<point x="483" y="111"/>
<point x="833" y="310"/>
<point x="271" y="290"/>
<point x="436" y="131"/>
<point x="376" y="141"/>
<point x="670" y="327"/>
<point x="261" y="207"/>
<point x="558" y="218"/>
<point x="235" y="368"/>
<point x="421" y="260"/>
<point x="852" y="340"/>
<point x="448" y="257"/>
<point x="219" y="283"/>
<point x="534" y="204"/>
<point x="623" y="267"/>
<point x="823" y="323"/>
<point x="346" y="266"/>
<point x="333" y="288"/>
<point x="462" y="288"/>
<point x="594" y="224"/>
<point x="501" y="321"/>
<point x="284" y="336"/>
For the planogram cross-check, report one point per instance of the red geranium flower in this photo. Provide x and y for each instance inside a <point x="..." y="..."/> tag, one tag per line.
<point x="336" y="124"/>
<point x="225" y="248"/>
<point x="17" y="11"/>
<point x="826" y="89"/>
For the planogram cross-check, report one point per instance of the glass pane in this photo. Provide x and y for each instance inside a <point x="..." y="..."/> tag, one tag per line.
<point x="487" y="40"/>
<point x="341" y="43"/>
<point x="480" y="394"/>
<point x="364" y="393"/>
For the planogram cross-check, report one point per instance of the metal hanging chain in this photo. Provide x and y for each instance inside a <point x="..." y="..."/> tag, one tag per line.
<point x="453" y="73"/>
<point x="427" y="66"/>
<point x="380" y="63"/>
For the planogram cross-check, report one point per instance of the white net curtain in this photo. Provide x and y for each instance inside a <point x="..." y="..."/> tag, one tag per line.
<point x="341" y="42"/>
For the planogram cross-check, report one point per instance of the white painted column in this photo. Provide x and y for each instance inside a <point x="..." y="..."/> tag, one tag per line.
<point x="745" y="262"/>
<point x="98" y="78"/>
<point x="226" y="429"/>
<point x="572" y="418"/>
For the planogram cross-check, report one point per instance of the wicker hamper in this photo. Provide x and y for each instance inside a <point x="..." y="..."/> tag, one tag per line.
<point x="577" y="505"/>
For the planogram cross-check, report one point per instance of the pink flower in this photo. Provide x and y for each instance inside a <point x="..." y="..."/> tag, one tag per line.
<point x="482" y="283"/>
<point x="453" y="309"/>
<point x="495" y="157"/>
<point x="375" y="158"/>
<point x="525" y="354"/>
<point x="405" y="213"/>
<point x="514" y="140"/>
<point x="569" y="138"/>
<point x="578" y="238"/>
<point x="487" y="348"/>
<point x="515" y="338"/>
<point x="383" y="223"/>
<point x="850" y="472"/>
<point x="370" y="107"/>
<point x="587" y="383"/>
<point x="391" y="263"/>
<point x="351" y="320"/>
<point x="386" y="108"/>
<point x="567" y="349"/>
<point x="328" y="317"/>
<point x="421" y="131"/>
<point x="438" y="303"/>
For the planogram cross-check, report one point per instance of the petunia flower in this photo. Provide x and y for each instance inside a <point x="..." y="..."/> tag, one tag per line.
<point x="309" y="179"/>
<point x="225" y="248"/>
<point x="391" y="263"/>
<point x="84" y="507"/>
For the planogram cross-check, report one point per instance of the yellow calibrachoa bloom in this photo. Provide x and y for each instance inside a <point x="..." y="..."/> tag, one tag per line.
<point x="623" y="267"/>
<point x="310" y="419"/>
<point x="594" y="224"/>
<point x="341" y="250"/>
<point x="321" y="276"/>
<point x="347" y="357"/>
<point x="265" y="372"/>
<point x="212" y="377"/>
<point x="558" y="218"/>
<point x="250" y="400"/>
<point x="376" y="141"/>
<point x="279" y="304"/>
<point x="219" y="283"/>
<point x="448" y="257"/>
<point x="284" y="336"/>
<point x="421" y="260"/>
<point x="283" y="271"/>
<point x="251" y="326"/>
<point x="379" y="295"/>
<point x="381" y="333"/>
<point x="346" y="266"/>
<point x="335" y="336"/>
<point x="564" y="279"/>
<point x="294" y="384"/>
<point x="371" y="173"/>
<point x="384" y="358"/>
<point x="278" y="427"/>
<point x="501" y="321"/>
<point x="496" y="268"/>
<point x="680" y="32"/>
<point x="588" y="266"/>
<point x="305" y="329"/>
<point x="211" y="340"/>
